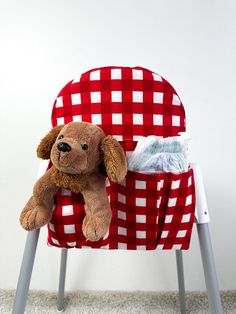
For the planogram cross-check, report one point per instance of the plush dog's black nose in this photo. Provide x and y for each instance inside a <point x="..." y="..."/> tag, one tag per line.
<point x="63" y="147"/>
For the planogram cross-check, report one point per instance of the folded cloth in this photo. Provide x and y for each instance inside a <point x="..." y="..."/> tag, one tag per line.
<point x="153" y="154"/>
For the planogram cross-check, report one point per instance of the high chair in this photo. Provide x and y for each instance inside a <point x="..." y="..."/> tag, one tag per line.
<point x="149" y="211"/>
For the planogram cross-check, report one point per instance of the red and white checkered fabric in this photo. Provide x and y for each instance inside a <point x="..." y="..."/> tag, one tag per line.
<point x="149" y="210"/>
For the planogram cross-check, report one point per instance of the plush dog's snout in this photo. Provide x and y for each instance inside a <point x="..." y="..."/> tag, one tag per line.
<point x="63" y="147"/>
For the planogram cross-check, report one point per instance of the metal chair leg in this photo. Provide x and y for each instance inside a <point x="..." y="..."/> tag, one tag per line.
<point x="180" y="272"/>
<point x="25" y="272"/>
<point x="209" y="269"/>
<point x="61" y="290"/>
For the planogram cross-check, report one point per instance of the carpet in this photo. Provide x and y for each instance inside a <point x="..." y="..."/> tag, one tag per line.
<point x="116" y="302"/>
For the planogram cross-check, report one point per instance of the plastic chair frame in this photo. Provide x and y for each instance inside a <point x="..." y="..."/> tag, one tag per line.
<point x="202" y="222"/>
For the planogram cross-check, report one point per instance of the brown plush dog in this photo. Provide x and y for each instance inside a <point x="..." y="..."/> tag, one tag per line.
<point x="76" y="151"/>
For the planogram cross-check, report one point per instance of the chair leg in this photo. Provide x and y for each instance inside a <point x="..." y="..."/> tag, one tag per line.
<point x="209" y="269"/>
<point x="25" y="272"/>
<point x="180" y="272"/>
<point x="61" y="290"/>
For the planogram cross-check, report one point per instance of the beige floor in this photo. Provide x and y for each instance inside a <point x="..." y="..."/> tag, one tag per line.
<point x="116" y="302"/>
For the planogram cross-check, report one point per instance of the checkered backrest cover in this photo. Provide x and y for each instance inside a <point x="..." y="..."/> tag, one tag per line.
<point x="149" y="210"/>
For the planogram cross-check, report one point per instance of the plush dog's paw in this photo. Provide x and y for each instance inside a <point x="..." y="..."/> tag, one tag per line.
<point x="94" y="228"/>
<point x="34" y="217"/>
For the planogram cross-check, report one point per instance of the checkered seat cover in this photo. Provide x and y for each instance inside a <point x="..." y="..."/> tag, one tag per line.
<point x="149" y="211"/>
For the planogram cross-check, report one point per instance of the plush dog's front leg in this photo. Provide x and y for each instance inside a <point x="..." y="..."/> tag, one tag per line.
<point x="98" y="212"/>
<point x="38" y="210"/>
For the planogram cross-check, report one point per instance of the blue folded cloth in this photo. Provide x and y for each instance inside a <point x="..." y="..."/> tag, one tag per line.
<point x="155" y="155"/>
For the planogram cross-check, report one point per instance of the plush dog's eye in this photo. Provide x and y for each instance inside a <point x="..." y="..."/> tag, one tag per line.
<point x="84" y="146"/>
<point x="60" y="137"/>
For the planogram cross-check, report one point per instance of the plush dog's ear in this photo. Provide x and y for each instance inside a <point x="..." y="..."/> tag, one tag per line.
<point x="114" y="159"/>
<point x="45" y="146"/>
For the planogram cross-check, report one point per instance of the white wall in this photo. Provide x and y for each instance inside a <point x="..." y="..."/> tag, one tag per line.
<point x="44" y="44"/>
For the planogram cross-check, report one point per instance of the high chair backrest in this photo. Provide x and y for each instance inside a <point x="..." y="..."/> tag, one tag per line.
<point x="148" y="210"/>
<point x="126" y="102"/>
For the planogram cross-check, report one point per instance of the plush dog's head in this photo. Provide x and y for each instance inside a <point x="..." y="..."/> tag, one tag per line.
<point x="80" y="147"/>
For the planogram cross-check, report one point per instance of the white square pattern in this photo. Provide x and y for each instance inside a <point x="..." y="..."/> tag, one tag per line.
<point x="141" y="218"/>
<point x="121" y="198"/>
<point x="181" y="233"/>
<point x="137" y="74"/>
<point x="122" y="246"/>
<point x="76" y="99"/>
<point x="137" y="96"/>
<point x="188" y="200"/>
<point x="175" y="184"/>
<point x="157" y="119"/>
<point x="55" y="241"/>
<point x="176" y="120"/>
<point x="140" y="184"/>
<point x="141" y="247"/>
<point x="116" y="118"/>
<point x="59" y="102"/>
<point x="95" y="97"/>
<point x="72" y="244"/>
<point x="116" y="96"/>
<point x="137" y="118"/>
<point x="96" y="118"/>
<point x="60" y="121"/>
<point x="67" y="210"/>
<point x="140" y="201"/>
<point x="156" y="77"/>
<point x="106" y="235"/>
<point x="69" y="228"/>
<point x="95" y="75"/>
<point x="159" y="202"/>
<point x="186" y="218"/>
<point x="122" y="231"/>
<point x="121" y="215"/>
<point x="168" y="218"/>
<point x="105" y="247"/>
<point x="160" y="185"/>
<point x="164" y="234"/>
<point x="51" y="227"/>
<point x="172" y="201"/>
<point x="140" y="234"/>
<point x="116" y="74"/>
<point x="158" y="98"/>
<point x="77" y="118"/>
<point x="137" y="137"/>
<point x="119" y="138"/>
<point x="107" y="182"/>
<point x="176" y="100"/>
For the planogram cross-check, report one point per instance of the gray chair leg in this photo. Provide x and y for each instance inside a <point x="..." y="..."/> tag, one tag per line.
<point x="25" y="272"/>
<point x="61" y="290"/>
<point x="180" y="272"/>
<point x="209" y="269"/>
